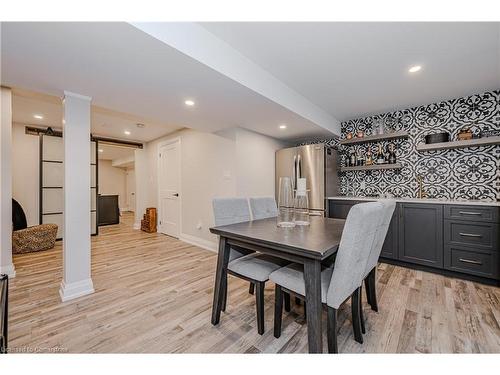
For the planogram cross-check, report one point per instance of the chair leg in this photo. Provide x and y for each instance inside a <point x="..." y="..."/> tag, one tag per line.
<point x="373" y="288"/>
<point x="367" y="289"/>
<point x="251" y="288"/>
<point x="361" y="316"/>
<point x="356" y="324"/>
<point x="332" y="330"/>
<point x="278" y="310"/>
<point x="287" y="302"/>
<point x="297" y="301"/>
<point x="224" y="288"/>
<point x="259" y="298"/>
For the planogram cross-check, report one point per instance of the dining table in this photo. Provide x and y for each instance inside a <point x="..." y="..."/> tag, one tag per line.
<point x="309" y="245"/>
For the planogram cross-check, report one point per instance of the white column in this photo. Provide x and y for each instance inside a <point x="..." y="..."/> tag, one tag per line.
<point x="6" y="266"/>
<point x="76" y="242"/>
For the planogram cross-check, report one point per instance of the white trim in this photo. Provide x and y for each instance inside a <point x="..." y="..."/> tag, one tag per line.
<point x="160" y="145"/>
<point x="137" y="225"/>
<point x="74" y="95"/>
<point x="76" y="289"/>
<point x="9" y="270"/>
<point x="200" y="242"/>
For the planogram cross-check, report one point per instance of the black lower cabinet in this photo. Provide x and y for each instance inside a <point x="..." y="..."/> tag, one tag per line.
<point x="421" y="234"/>
<point x="462" y="240"/>
<point x="390" y="247"/>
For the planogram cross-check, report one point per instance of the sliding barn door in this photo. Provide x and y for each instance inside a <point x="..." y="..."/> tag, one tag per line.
<point x="51" y="183"/>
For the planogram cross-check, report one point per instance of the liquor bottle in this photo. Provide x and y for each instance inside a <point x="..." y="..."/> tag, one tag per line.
<point x="352" y="159"/>
<point x="369" y="157"/>
<point x="392" y="154"/>
<point x="380" y="155"/>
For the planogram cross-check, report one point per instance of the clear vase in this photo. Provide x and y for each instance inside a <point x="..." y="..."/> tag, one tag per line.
<point x="285" y="203"/>
<point x="301" y="208"/>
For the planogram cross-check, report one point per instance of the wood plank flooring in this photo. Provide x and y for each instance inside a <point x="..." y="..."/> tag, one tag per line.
<point x="154" y="294"/>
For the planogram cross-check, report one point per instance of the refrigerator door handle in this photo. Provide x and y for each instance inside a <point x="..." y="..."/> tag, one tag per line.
<point x="299" y="167"/>
<point x="294" y="180"/>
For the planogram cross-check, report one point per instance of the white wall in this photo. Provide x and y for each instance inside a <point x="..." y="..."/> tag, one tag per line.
<point x="112" y="181"/>
<point x="25" y="172"/>
<point x="231" y="163"/>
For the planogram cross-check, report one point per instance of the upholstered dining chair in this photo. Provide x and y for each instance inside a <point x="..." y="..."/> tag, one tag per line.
<point x="340" y="282"/>
<point x="371" y="267"/>
<point x="252" y="267"/>
<point x="263" y="207"/>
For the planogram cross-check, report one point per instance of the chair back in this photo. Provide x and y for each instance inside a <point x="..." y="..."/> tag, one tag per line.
<point x="356" y="243"/>
<point x="230" y="210"/>
<point x="389" y="206"/>
<point x="4" y="309"/>
<point x="263" y="208"/>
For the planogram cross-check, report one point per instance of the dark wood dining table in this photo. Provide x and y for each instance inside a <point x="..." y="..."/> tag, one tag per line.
<point x="308" y="245"/>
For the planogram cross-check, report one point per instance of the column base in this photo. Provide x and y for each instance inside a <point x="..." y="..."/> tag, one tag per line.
<point x="137" y="225"/>
<point x="8" y="270"/>
<point x="76" y="289"/>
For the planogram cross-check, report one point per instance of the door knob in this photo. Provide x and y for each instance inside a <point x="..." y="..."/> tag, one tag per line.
<point x="176" y="194"/>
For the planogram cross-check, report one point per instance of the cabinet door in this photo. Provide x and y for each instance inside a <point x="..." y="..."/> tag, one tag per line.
<point x="390" y="247"/>
<point x="338" y="209"/>
<point x="421" y="234"/>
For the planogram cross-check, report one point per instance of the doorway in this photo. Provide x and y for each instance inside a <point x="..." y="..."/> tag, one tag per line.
<point x="169" y="198"/>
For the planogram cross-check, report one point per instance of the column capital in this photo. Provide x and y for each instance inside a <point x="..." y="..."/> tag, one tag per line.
<point x="74" y="95"/>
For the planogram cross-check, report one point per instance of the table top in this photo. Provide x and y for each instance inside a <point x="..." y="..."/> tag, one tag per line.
<point x="318" y="240"/>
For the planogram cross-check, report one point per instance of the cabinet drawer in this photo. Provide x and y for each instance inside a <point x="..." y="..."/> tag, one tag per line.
<point x="476" y="234"/>
<point x="338" y="209"/>
<point x="471" y="262"/>
<point x="471" y="213"/>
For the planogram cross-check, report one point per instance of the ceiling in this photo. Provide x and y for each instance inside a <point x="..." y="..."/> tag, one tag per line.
<point x="355" y="69"/>
<point x="111" y="152"/>
<point x="105" y="123"/>
<point x="126" y="70"/>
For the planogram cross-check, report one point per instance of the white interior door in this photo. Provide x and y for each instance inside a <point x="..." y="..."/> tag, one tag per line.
<point x="169" y="186"/>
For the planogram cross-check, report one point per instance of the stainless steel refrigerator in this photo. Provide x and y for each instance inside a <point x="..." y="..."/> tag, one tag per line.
<point x="317" y="163"/>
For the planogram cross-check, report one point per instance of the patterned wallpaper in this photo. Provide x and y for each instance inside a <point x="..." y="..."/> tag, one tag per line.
<point x="470" y="173"/>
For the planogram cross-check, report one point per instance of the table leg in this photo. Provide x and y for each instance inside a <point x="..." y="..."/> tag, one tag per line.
<point x="220" y="275"/>
<point x="312" y="278"/>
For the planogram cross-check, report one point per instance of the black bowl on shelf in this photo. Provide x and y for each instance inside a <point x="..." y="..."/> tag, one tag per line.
<point x="437" y="138"/>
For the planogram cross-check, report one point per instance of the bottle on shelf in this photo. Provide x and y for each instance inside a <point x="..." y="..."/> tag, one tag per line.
<point x="352" y="159"/>
<point x="369" y="157"/>
<point x="380" y="155"/>
<point x="392" y="154"/>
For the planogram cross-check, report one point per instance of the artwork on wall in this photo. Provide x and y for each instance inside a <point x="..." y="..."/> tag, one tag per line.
<point x="468" y="173"/>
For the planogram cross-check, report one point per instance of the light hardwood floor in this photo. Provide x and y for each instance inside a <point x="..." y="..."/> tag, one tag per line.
<point x="154" y="294"/>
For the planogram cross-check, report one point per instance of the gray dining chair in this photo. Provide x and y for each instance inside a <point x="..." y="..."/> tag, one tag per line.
<point x="340" y="282"/>
<point x="263" y="207"/>
<point x="249" y="266"/>
<point x="371" y="267"/>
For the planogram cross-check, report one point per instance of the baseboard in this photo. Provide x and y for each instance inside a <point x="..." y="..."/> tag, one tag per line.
<point x="9" y="270"/>
<point x="200" y="242"/>
<point x="76" y="289"/>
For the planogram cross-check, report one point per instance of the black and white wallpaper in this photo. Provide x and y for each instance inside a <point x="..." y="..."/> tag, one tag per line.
<point x="469" y="173"/>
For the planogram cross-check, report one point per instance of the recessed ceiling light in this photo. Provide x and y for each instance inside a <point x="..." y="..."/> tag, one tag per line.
<point x="126" y="132"/>
<point x="38" y="117"/>
<point x="101" y="150"/>
<point x="189" y="103"/>
<point x="139" y="125"/>
<point x="283" y="126"/>
<point x="415" y="69"/>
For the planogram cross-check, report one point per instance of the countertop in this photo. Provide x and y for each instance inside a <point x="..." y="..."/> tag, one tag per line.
<point x="425" y="200"/>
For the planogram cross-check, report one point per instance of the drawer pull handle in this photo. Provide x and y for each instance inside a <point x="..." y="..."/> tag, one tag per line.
<point x="470" y="235"/>
<point x="470" y="261"/>
<point x="469" y="213"/>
